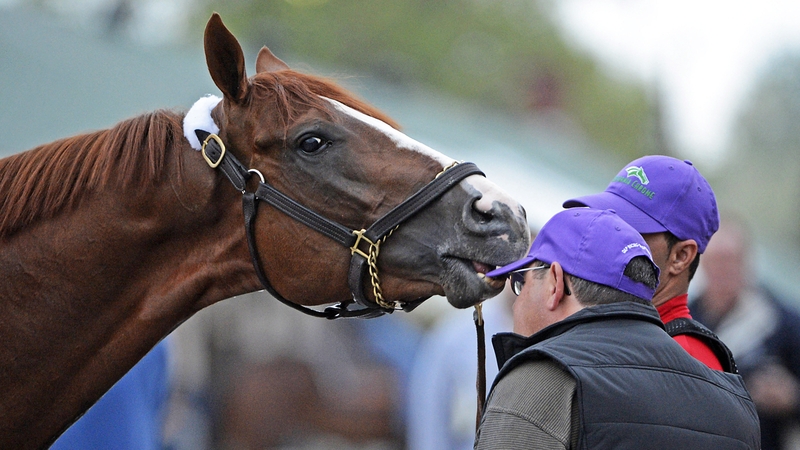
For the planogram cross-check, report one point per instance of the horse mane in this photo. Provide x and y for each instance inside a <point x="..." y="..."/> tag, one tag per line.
<point x="43" y="181"/>
<point x="133" y="153"/>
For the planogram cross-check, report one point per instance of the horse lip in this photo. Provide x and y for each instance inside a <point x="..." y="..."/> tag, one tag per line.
<point x="494" y="283"/>
<point x="482" y="267"/>
<point x="463" y="285"/>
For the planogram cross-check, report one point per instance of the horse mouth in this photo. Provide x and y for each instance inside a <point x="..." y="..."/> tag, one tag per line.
<point x="482" y="269"/>
<point x="465" y="282"/>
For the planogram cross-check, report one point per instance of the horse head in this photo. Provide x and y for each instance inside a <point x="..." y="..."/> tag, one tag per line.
<point x="344" y="160"/>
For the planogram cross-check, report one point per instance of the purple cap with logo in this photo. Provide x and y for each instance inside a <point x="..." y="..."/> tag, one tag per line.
<point x="591" y="244"/>
<point x="659" y="193"/>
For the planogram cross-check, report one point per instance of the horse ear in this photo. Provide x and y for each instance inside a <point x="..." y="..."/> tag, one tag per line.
<point x="225" y="59"/>
<point x="268" y="62"/>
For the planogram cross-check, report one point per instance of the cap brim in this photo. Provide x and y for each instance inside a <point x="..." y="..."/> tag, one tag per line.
<point x="626" y="210"/>
<point x="508" y="268"/>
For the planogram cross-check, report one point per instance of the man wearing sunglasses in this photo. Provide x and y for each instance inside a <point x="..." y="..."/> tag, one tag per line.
<point x="588" y="364"/>
<point x="670" y="203"/>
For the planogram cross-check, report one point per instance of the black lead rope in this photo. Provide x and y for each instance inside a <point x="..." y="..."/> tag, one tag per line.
<point x="480" y="381"/>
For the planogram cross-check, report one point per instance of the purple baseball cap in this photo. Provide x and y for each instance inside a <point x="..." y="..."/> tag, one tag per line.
<point x="592" y="244"/>
<point x="659" y="193"/>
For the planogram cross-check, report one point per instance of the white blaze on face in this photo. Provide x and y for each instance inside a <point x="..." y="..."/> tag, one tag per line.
<point x="396" y="136"/>
<point x="490" y="192"/>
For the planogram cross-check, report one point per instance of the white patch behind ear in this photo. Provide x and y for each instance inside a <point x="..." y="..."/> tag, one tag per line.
<point x="199" y="118"/>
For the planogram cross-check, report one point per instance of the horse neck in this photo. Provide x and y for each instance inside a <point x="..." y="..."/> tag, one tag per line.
<point x="87" y="292"/>
<point x="174" y="223"/>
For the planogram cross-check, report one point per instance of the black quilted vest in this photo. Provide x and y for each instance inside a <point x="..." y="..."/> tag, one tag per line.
<point x="694" y="328"/>
<point x="636" y="387"/>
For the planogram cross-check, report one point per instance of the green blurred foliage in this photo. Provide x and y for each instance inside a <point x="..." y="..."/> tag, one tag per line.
<point x="504" y="54"/>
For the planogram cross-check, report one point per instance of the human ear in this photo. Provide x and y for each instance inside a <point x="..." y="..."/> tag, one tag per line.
<point x="555" y="279"/>
<point x="681" y="256"/>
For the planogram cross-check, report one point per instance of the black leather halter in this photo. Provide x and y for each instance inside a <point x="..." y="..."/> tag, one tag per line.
<point x="364" y="244"/>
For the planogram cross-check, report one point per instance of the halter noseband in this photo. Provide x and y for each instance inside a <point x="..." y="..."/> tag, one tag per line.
<point x="364" y="244"/>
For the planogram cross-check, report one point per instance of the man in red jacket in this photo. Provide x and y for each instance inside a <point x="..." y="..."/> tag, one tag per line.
<point x="674" y="208"/>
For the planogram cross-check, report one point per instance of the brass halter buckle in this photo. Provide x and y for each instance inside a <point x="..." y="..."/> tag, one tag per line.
<point x="213" y="137"/>
<point x="372" y="263"/>
<point x="371" y="255"/>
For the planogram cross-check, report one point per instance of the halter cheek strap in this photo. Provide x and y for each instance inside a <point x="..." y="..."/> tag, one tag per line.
<point x="364" y="244"/>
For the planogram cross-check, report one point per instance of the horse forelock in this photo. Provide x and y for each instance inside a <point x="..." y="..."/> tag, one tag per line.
<point x="294" y="92"/>
<point x="43" y="181"/>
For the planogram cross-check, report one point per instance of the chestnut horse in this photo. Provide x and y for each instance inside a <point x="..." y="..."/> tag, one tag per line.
<point x="112" y="239"/>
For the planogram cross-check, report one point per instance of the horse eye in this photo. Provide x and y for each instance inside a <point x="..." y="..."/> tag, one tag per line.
<point x="314" y="144"/>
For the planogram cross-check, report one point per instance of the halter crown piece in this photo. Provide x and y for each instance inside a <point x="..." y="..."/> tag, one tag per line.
<point x="201" y="131"/>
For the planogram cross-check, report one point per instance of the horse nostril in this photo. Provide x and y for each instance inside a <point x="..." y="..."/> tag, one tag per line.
<point x="483" y="217"/>
<point x="480" y="215"/>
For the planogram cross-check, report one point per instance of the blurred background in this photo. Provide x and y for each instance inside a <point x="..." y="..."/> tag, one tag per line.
<point x="550" y="98"/>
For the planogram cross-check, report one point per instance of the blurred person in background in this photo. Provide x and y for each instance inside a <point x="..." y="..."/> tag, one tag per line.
<point x="442" y="394"/>
<point x="252" y="373"/>
<point x="131" y="415"/>
<point x="761" y="330"/>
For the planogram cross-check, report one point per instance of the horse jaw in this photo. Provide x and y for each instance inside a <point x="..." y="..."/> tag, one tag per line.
<point x="452" y="248"/>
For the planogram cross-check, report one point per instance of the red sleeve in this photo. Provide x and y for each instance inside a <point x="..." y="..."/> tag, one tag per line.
<point x="699" y="350"/>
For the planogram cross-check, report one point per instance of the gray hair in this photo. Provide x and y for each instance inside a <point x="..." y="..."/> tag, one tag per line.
<point x="639" y="269"/>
